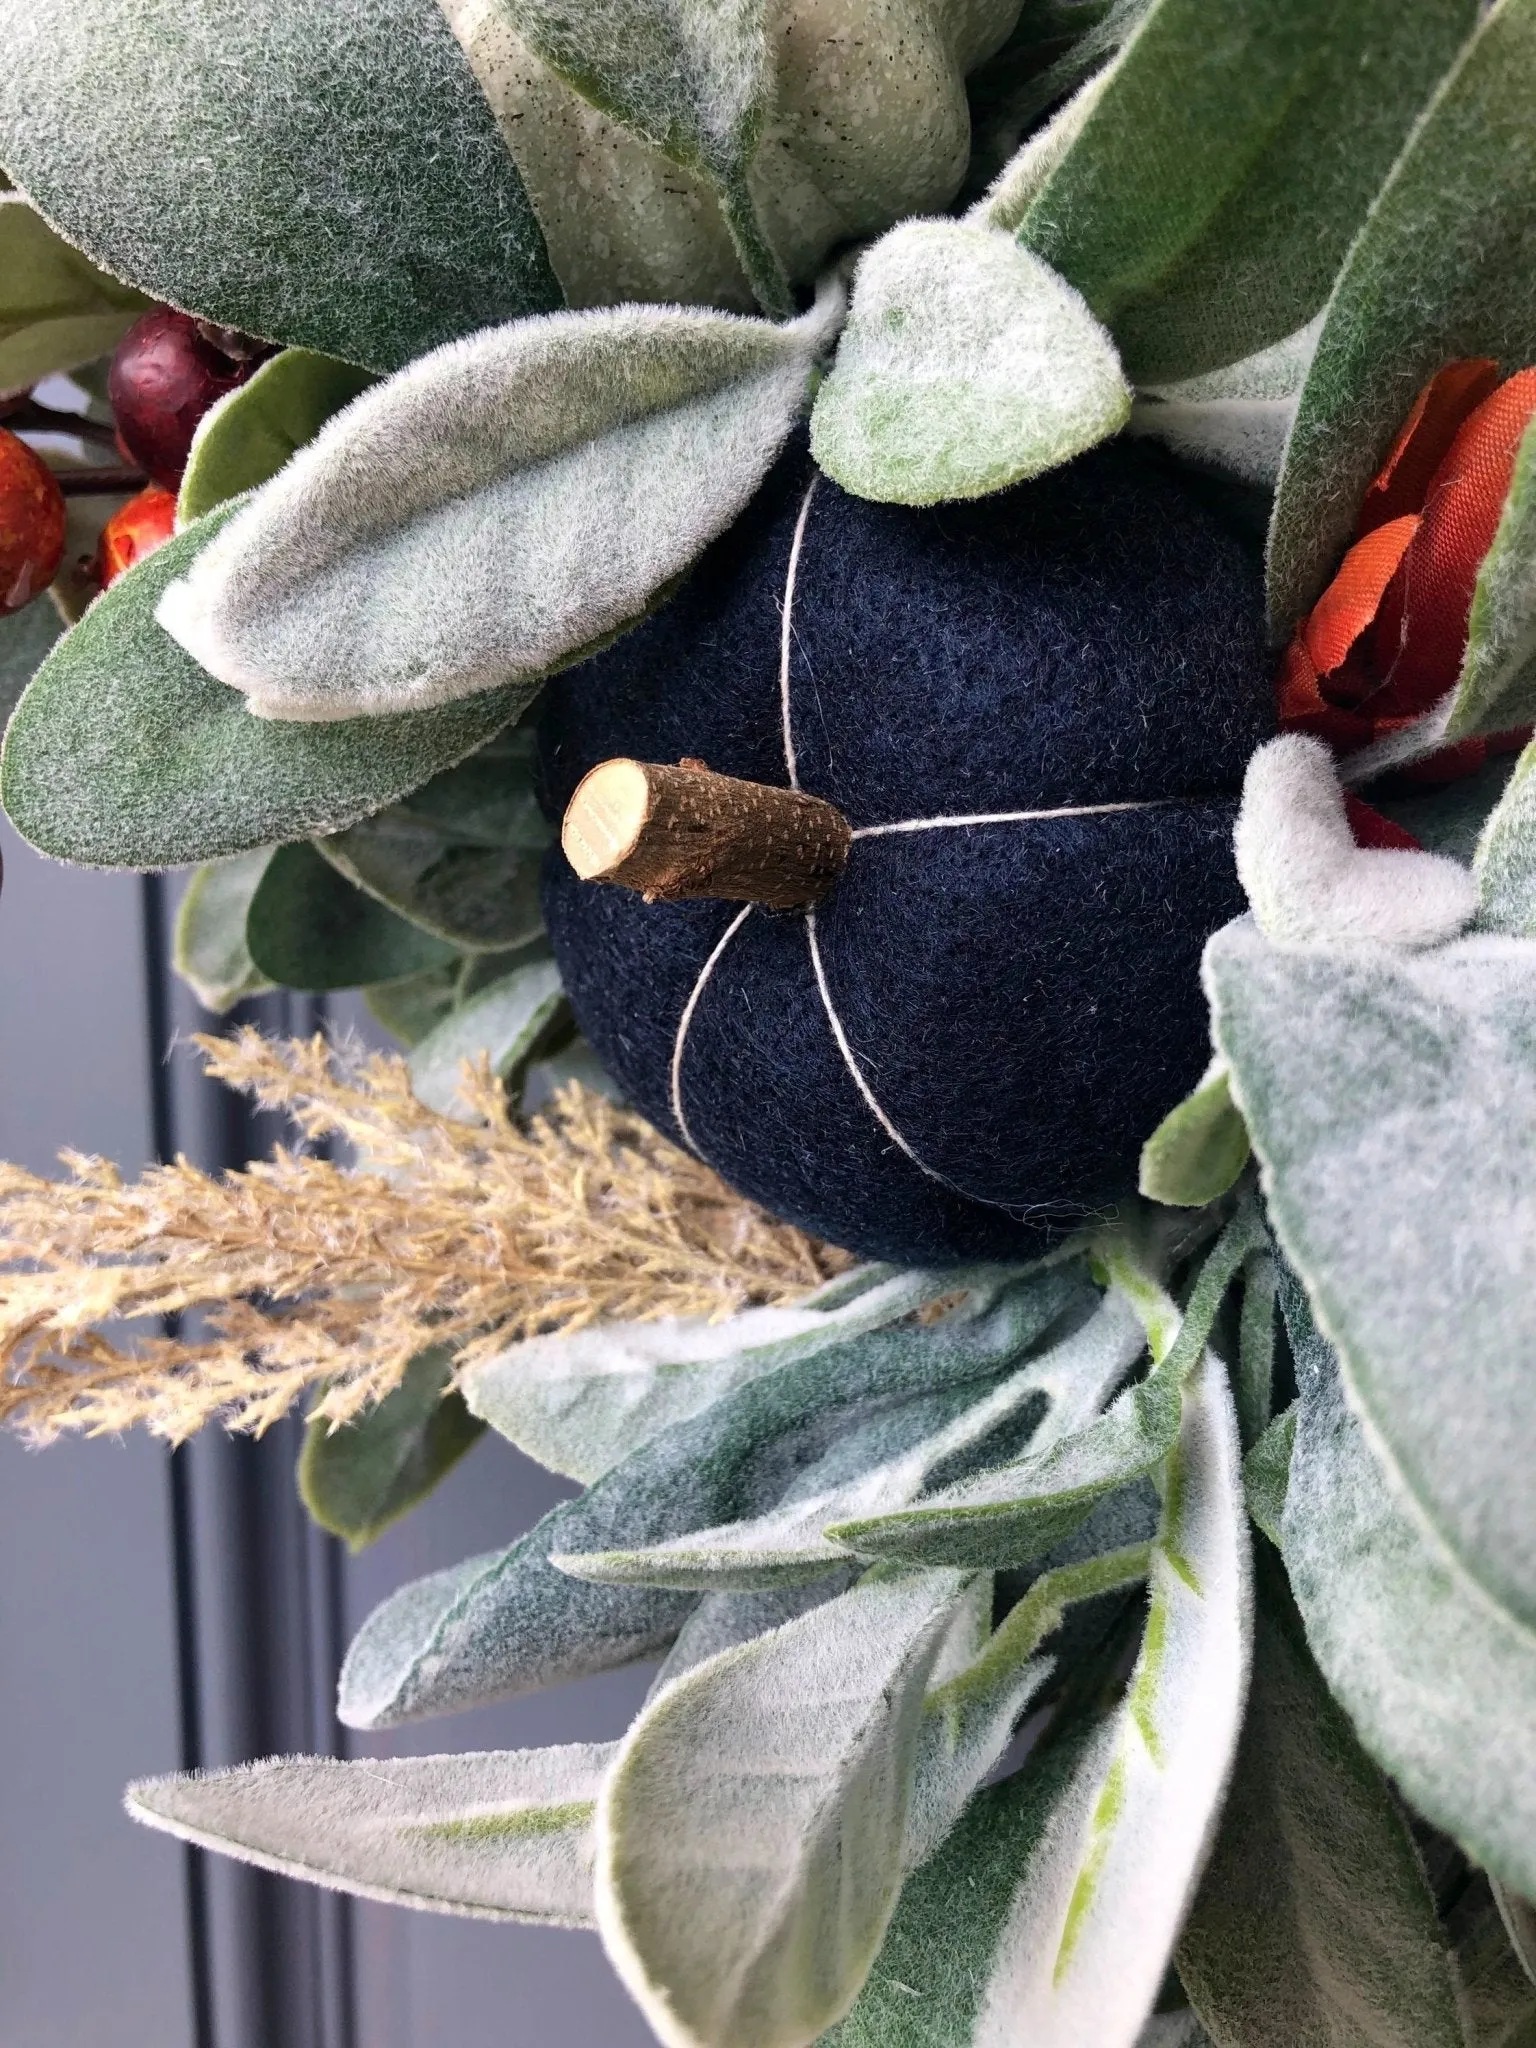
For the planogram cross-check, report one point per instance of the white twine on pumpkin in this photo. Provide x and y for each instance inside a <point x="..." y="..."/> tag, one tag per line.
<point x="686" y="1019"/>
<point x="787" y="629"/>
<point x="1008" y="817"/>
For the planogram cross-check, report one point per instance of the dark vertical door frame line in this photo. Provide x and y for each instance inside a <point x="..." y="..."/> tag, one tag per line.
<point x="258" y="1593"/>
<point x="152" y="910"/>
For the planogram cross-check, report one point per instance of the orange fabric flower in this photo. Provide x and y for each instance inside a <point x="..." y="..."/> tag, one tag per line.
<point x="1384" y="642"/>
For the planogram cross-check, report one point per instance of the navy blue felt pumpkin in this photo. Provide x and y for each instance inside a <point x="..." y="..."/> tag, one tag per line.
<point x="1034" y="711"/>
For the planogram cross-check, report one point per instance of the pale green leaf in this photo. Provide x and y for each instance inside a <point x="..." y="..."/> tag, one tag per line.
<point x="694" y="80"/>
<point x="1519" y="1917"/>
<point x="502" y="1023"/>
<point x="1216" y="185"/>
<point x="250" y="433"/>
<point x="410" y="1008"/>
<point x="1016" y="1512"/>
<point x="1505" y="862"/>
<point x="967" y="365"/>
<point x="308" y="928"/>
<point x="332" y="181"/>
<point x="498" y="508"/>
<point x="1496" y="688"/>
<point x="57" y="310"/>
<point x="491" y="1835"/>
<point x="1445" y="267"/>
<point x="359" y="1478"/>
<point x="1439" y="1681"/>
<point x="583" y="1400"/>
<point x="877" y="1468"/>
<point x="1267" y="1473"/>
<point x="124" y="753"/>
<point x="1199" y="1148"/>
<point x="509" y="1621"/>
<point x="1390" y="1100"/>
<point x="750" y="1832"/>
<point x="208" y="949"/>
<point x="1449" y="817"/>
<point x="1314" y="1922"/>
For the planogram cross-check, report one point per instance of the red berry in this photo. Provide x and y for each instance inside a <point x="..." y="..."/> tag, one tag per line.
<point x="167" y="371"/>
<point x="143" y="525"/>
<point x="31" y="523"/>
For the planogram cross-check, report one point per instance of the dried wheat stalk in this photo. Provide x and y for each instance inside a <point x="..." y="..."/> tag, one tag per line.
<point x="308" y="1275"/>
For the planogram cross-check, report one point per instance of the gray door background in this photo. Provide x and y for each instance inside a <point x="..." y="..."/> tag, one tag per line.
<point x="163" y="1611"/>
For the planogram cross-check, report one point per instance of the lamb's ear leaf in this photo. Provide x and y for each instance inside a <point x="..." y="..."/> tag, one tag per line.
<point x="1065" y="1934"/>
<point x="695" y="82"/>
<point x="1199" y="1148"/>
<point x="967" y="365"/>
<point x="1496" y="688"/>
<point x="1368" y="1077"/>
<point x="250" y="433"/>
<point x="582" y="1401"/>
<point x="1221" y="176"/>
<point x="346" y="190"/>
<point x="491" y="1835"/>
<point x="1054" y="47"/>
<point x="877" y="1466"/>
<point x="125" y="753"/>
<point x="1314" y="1920"/>
<point x="1267" y="1473"/>
<point x="503" y="1023"/>
<point x="25" y="638"/>
<point x="358" y="1478"/>
<point x="1501" y="2000"/>
<point x="1413" y="1652"/>
<point x="57" y="310"/>
<point x="1505" y="861"/>
<point x="307" y="927"/>
<point x="1018" y="1511"/>
<point x="1519" y="1917"/>
<point x="1437" y="272"/>
<point x="1234" y="420"/>
<point x="510" y="1621"/>
<point x="813" y="1731"/>
<point x="533" y="487"/>
<point x="209" y="950"/>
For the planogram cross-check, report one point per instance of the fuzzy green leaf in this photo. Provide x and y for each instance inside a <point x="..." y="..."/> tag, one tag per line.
<point x="1234" y="420"/>
<point x="1199" y="1148"/>
<point x="504" y="1023"/>
<point x="1500" y="1999"/>
<point x="1016" y="1512"/>
<point x="1390" y="1100"/>
<point x="803" y="1744"/>
<point x="337" y="183"/>
<point x="1222" y="174"/>
<point x="57" y="310"/>
<point x="1505" y="863"/>
<point x="878" y="1468"/>
<point x="25" y="638"/>
<point x="694" y="80"/>
<point x="1314" y="1922"/>
<point x="581" y="1401"/>
<point x="1267" y="1473"/>
<point x="307" y="927"/>
<point x="1450" y="818"/>
<point x="967" y="365"/>
<point x="360" y="1478"/>
<point x="251" y="433"/>
<point x="209" y="950"/>
<point x="500" y="507"/>
<point x="125" y="753"/>
<point x="491" y="1835"/>
<point x="1055" y="46"/>
<point x="1496" y="688"/>
<point x="1445" y="267"/>
<point x="510" y="1621"/>
<point x="1414" y="1653"/>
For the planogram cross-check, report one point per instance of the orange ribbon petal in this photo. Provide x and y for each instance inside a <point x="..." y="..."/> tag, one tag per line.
<point x="1425" y="440"/>
<point x="1350" y="603"/>
<point x="1421" y="630"/>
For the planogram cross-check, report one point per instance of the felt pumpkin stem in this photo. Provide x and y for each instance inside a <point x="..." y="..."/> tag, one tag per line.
<point x="682" y="832"/>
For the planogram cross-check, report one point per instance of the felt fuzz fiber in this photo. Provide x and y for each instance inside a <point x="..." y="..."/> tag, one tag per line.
<point x="962" y="1048"/>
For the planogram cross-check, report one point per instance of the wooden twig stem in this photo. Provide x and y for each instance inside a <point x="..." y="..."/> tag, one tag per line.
<point x="678" y="832"/>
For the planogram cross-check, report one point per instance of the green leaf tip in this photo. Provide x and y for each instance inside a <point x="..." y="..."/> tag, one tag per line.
<point x="967" y="365"/>
<point x="1197" y="1152"/>
<point x="360" y="1478"/>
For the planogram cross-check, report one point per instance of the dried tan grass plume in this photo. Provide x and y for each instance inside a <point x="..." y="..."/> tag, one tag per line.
<point x="298" y="1274"/>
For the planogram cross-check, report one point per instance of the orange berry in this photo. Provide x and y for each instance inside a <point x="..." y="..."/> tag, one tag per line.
<point x="143" y="524"/>
<point x="31" y="523"/>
